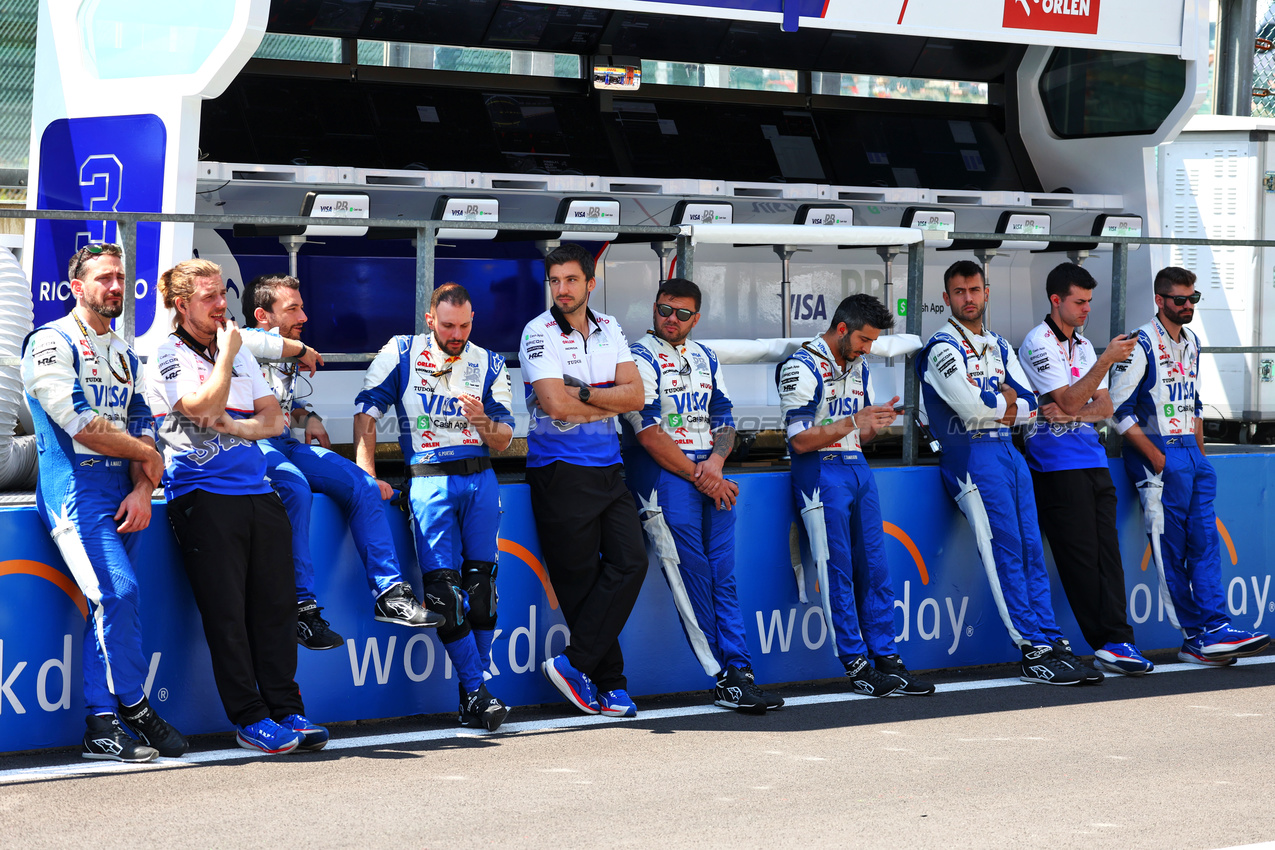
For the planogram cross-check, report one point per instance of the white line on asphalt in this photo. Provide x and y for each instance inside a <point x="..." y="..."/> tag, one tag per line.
<point x="87" y="768"/>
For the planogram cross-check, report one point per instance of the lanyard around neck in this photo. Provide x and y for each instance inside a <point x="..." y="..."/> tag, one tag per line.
<point x="89" y="339"/>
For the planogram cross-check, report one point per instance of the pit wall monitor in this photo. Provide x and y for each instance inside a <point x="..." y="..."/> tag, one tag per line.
<point x="336" y="205"/>
<point x="935" y="224"/>
<point x="599" y="211"/>
<point x="470" y="208"/>
<point x="702" y="212"/>
<point x="824" y="214"/>
<point x="1118" y="225"/>
<point x="1024" y="224"/>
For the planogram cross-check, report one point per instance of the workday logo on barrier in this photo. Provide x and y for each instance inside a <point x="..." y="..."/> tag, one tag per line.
<point x="926" y="620"/>
<point x="1078" y="16"/>
<point x="18" y="688"/>
<point x="1140" y="604"/>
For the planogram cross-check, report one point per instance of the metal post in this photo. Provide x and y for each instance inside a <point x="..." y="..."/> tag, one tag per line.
<point x="1119" y="283"/>
<point x="1237" y="31"/>
<point x="128" y="229"/>
<point x="984" y="256"/>
<point x="785" y="253"/>
<point x="911" y="383"/>
<point x="425" y="237"/>
<point x="664" y="250"/>
<point x="685" y="258"/>
<point x="888" y="254"/>
<point x="292" y="244"/>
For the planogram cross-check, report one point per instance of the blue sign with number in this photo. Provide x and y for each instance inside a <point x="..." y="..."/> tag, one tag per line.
<point x="112" y="163"/>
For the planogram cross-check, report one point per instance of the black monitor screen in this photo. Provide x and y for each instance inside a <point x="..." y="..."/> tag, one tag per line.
<point x="429" y="21"/>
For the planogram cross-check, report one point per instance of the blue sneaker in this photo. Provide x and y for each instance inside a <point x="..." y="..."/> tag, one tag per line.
<point x="1193" y="653"/>
<point x="312" y="737"/>
<point x="1123" y="658"/>
<point x="1226" y="642"/>
<point x="574" y="685"/>
<point x="617" y="704"/>
<point x="267" y="736"/>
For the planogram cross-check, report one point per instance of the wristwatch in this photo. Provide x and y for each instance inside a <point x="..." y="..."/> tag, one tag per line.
<point x="584" y="394"/>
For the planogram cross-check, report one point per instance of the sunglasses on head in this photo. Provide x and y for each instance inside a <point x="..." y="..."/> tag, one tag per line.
<point x="1180" y="300"/>
<point x="91" y="250"/>
<point x="666" y="310"/>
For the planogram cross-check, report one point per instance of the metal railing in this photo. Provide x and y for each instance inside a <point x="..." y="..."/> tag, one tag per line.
<point x="427" y="237"/>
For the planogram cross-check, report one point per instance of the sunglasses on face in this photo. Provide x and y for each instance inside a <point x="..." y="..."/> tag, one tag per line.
<point x="1180" y="300"/>
<point x="666" y="310"/>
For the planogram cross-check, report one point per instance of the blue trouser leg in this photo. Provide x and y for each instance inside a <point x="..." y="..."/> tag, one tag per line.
<point x="359" y="497"/>
<point x="294" y="491"/>
<point x="826" y="500"/>
<point x="695" y="545"/>
<point x="81" y="522"/>
<point x="874" y="591"/>
<point x="1177" y="508"/>
<point x="996" y="497"/>
<point x="455" y="518"/>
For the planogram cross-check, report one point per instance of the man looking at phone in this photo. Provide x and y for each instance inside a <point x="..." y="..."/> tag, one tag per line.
<point x="826" y="397"/>
<point x="1075" y="498"/>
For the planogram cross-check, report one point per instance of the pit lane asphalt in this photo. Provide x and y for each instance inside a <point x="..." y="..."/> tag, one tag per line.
<point x="1180" y="758"/>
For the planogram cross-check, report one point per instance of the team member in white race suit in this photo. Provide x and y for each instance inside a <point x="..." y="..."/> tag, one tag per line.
<point x="825" y="391"/>
<point x="1158" y="412"/>
<point x="1075" y="498"/>
<point x="453" y="402"/>
<point x="673" y="450"/>
<point x="212" y="406"/>
<point x="273" y="305"/>
<point x="579" y="376"/>
<point x="973" y="390"/>
<point x="98" y="466"/>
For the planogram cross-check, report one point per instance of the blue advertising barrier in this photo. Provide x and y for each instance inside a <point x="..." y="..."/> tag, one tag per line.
<point x="944" y="613"/>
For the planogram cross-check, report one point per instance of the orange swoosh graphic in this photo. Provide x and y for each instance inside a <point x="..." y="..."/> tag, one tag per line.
<point x="523" y="554"/>
<point x="1222" y="532"/>
<point x="44" y="571"/>
<point x="902" y="536"/>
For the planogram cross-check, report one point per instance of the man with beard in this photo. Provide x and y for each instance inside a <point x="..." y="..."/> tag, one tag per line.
<point x="1158" y="412"/>
<point x="454" y="405"/>
<point x="98" y="466"/>
<point x="298" y="468"/>
<point x="1075" y="498"/>
<point x="673" y="451"/>
<point x="579" y="376"/>
<point x="825" y="392"/>
<point x="973" y="391"/>
<point x="213" y="405"/>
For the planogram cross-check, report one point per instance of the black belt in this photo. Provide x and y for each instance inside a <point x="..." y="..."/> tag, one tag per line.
<point x="464" y="466"/>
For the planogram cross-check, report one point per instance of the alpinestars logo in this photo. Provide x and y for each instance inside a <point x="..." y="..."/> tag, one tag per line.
<point x="107" y="745"/>
<point x="1078" y="16"/>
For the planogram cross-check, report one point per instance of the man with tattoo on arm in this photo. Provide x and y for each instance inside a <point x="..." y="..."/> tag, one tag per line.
<point x="674" y="449"/>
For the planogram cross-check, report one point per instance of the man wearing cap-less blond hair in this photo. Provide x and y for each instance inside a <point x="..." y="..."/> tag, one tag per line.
<point x="212" y="406"/>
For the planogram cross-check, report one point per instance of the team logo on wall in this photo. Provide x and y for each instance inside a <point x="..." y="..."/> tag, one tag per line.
<point x="1079" y="16"/>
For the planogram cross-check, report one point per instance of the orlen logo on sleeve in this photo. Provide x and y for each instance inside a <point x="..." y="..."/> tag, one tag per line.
<point x="1080" y="16"/>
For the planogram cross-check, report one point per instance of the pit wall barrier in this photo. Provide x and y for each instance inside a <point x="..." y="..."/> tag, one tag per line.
<point x="944" y="613"/>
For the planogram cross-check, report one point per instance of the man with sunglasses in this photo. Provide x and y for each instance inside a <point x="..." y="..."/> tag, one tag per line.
<point x="973" y="390"/>
<point x="98" y="467"/>
<point x="825" y="393"/>
<point x="579" y="375"/>
<point x="275" y="315"/>
<point x="1158" y="413"/>
<point x="454" y="404"/>
<point x="673" y="450"/>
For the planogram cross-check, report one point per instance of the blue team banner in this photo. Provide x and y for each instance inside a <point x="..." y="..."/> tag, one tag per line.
<point x="944" y="612"/>
<point x="112" y="163"/>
